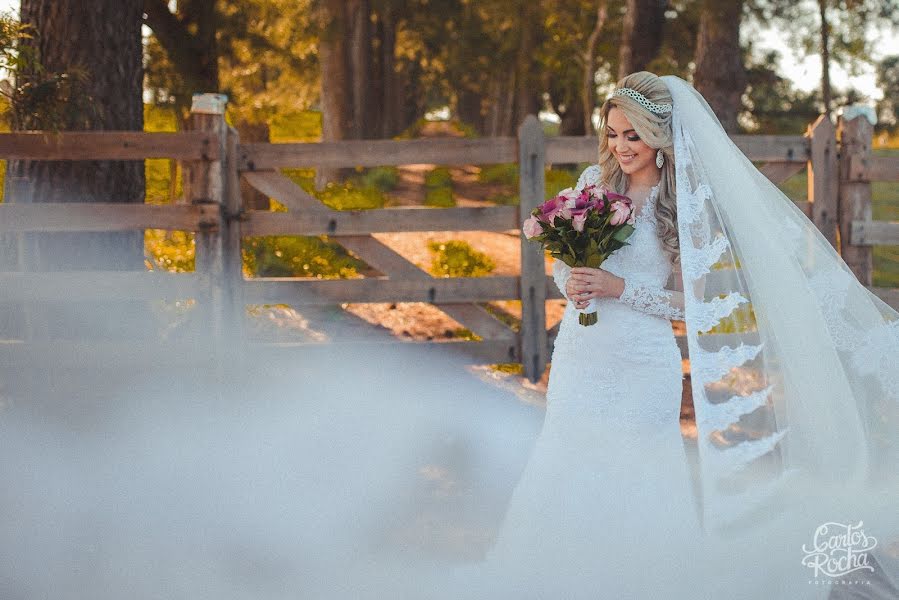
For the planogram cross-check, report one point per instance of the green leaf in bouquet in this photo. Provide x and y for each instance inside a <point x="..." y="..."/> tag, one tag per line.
<point x="594" y="260"/>
<point x="623" y="232"/>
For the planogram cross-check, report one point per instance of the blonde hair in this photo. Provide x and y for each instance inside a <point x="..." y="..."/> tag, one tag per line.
<point x="655" y="131"/>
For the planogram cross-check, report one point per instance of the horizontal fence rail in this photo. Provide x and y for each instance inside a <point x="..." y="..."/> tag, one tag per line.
<point x="382" y="220"/>
<point x="108" y="145"/>
<point x="76" y="286"/>
<point x="216" y="164"/>
<point x="106" y="216"/>
<point x="375" y="153"/>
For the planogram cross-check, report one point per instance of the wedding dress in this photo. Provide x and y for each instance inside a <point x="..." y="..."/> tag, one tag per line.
<point x="607" y="489"/>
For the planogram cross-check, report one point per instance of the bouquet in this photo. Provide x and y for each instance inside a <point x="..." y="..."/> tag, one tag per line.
<point x="582" y="228"/>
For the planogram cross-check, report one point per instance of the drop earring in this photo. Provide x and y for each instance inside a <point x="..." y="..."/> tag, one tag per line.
<point x="660" y="158"/>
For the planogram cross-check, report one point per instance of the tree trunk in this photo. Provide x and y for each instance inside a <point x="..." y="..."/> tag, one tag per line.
<point x="189" y="40"/>
<point x="335" y="87"/>
<point x="720" y="74"/>
<point x="527" y="100"/>
<point x="468" y="109"/>
<point x="359" y="38"/>
<point x="825" y="57"/>
<point x="104" y="39"/>
<point x="573" y="118"/>
<point x="641" y="35"/>
<point x="588" y="88"/>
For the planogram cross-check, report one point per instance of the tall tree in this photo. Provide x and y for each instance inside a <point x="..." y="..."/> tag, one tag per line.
<point x="588" y="90"/>
<point x="839" y="32"/>
<point x="189" y="37"/>
<point x="720" y="75"/>
<point x="102" y="40"/>
<point x="641" y="34"/>
<point x="888" y="82"/>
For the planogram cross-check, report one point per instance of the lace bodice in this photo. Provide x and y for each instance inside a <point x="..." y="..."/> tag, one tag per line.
<point x="643" y="264"/>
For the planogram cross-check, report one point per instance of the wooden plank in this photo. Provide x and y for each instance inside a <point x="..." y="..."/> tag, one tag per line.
<point x="778" y="172"/>
<point x="395" y="265"/>
<point x="874" y="168"/>
<point x="108" y="145"/>
<point x="295" y="291"/>
<point x="805" y="206"/>
<point x="484" y="352"/>
<point x="277" y="186"/>
<point x="572" y="149"/>
<point x="774" y="148"/>
<point x="870" y="233"/>
<point x="72" y="286"/>
<point x="373" y="153"/>
<point x="359" y="222"/>
<point x="206" y="183"/>
<point x="233" y="243"/>
<point x="105" y="216"/>
<point x="823" y="178"/>
<point x="532" y="185"/>
<point x="855" y="198"/>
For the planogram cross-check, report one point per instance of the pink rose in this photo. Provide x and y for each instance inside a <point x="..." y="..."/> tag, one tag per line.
<point x="579" y="220"/>
<point x="612" y="196"/>
<point x="620" y="213"/>
<point x="569" y="196"/>
<point x="531" y="227"/>
<point x="550" y="209"/>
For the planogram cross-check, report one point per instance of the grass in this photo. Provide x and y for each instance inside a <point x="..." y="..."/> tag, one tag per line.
<point x="456" y="258"/>
<point x="439" y="188"/>
<point x="556" y="179"/>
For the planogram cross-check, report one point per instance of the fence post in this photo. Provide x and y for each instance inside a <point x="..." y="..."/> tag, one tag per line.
<point x="533" y="338"/>
<point x="823" y="178"/>
<point x="855" y="196"/>
<point x="206" y="183"/>
<point x="235" y="307"/>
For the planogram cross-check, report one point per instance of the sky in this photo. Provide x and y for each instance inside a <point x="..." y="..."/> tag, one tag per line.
<point x="806" y="73"/>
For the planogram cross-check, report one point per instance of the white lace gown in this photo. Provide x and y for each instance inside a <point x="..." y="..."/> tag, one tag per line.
<point x="606" y="498"/>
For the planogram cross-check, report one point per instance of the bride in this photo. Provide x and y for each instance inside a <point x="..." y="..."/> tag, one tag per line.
<point x="794" y="373"/>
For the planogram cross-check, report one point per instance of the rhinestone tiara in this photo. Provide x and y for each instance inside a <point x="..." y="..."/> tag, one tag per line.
<point x="650" y="106"/>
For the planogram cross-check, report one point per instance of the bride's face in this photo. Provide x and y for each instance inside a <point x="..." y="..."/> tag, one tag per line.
<point x="629" y="150"/>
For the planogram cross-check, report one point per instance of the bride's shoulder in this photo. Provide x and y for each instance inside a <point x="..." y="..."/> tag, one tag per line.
<point x="589" y="176"/>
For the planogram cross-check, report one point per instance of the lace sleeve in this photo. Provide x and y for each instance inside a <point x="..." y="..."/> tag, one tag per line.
<point x="653" y="300"/>
<point x="561" y="273"/>
<point x="589" y="176"/>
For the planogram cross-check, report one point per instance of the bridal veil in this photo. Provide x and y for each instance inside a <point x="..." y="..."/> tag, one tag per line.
<point x="794" y="363"/>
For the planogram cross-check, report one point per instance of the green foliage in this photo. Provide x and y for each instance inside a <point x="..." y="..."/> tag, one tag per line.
<point x="416" y="129"/>
<point x="510" y="368"/>
<point x="439" y="188"/>
<point x="888" y="82"/>
<point x="161" y="172"/>
<point x="296" y="126"/>
<point x="456" y="258"/>
<point x="771" y="104"/>
<point x="506" y="173"/>
<point x="39" y="98"/>
<point x="556" y="179"/>
<point x="380" y="178"/>
<point x="298" y="256"/>
<point x="347" y="195"/>
<point x="741" y="320"/>
<point x="172" y="251"/>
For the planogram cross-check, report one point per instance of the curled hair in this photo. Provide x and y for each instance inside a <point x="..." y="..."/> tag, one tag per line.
<point x="655" y="131"/>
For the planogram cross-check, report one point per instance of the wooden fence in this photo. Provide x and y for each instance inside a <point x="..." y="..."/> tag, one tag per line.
<point x="839" y="202"/>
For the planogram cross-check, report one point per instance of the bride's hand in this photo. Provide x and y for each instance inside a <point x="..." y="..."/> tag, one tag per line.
<point x="586" y="283"/>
